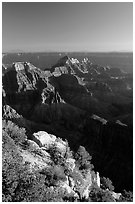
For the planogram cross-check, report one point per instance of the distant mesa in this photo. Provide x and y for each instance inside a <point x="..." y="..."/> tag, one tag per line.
<point x="61" y="62"/>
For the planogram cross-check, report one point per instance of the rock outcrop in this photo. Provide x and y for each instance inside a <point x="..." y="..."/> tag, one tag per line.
<point x="37" y="154"/>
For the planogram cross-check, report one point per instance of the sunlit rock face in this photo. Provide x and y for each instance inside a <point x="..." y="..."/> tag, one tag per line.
<point x="25" y="86"/>
<point x="28" y="83"/>
<point x="98" y="87"/>
<point x="22" y="77"/>
<point x="43" y="138"/>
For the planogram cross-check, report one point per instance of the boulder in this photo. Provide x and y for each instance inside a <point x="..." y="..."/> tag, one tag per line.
<point x="68" y="189"/>
<point x="116" y="195"/>
<point x="34" y="160"/>
<point x="61" y="146"/>
<point x="32" y="144"/>
<point x="42" y="138"/>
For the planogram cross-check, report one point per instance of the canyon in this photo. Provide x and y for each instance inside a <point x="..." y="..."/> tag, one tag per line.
<point x="87" y="104"/>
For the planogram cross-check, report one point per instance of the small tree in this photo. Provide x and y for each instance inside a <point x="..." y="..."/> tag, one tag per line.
<point x="126" y="196"/>
<point x="15" y="132"/>
<point x="106" y="183"/>
<point x="98" y="195"/>
<point x="53" y="175"/>
<point x="83" y="159"/>
<point x="56" y="156"/>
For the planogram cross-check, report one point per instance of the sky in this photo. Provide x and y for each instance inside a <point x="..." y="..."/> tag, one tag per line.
<point x="67" y="26"/>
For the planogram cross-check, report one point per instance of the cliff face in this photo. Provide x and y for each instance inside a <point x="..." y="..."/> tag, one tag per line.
<point x="25" y="86"/>
<point x="107" y="144"/>
<point x="22" y="77"/>
<point x="103" y="92"/>
<point x="93" y="88"/>
<point x="62" y="102"/>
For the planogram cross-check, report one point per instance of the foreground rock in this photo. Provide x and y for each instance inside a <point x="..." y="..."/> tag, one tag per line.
<point x="46" y="156"/>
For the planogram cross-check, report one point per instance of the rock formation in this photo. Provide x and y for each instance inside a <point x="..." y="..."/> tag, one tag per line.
<point x="85" y="104"/>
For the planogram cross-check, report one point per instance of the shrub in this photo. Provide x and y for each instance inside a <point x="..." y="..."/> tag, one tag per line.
<point x="83" y="159"/>
<point x="10" y="152"/>
<point x="56" y="156"/>
<point x="106" y="183"/>
<point x="53" y="175"/>
<point x="55" y="195"/>
<point x="16" y="133"/>
<point x="126" y="196"/>
<point x="99" y="195"/>
<point x="11" y="167"/>
<point x="20" y="185"/>
<point x="31" y="188"/>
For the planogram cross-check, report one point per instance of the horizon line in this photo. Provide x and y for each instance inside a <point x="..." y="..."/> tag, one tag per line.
<point x="14" y="52"/>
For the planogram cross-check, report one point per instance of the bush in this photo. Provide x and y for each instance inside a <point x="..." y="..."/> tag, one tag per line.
<point x="16" y="133"/>
<point x="99" y="195"/>
<point x="126" y="196"/>
<point x="56" y="156"/>
<point x="83" y="159"/>
<point x="106" y="183"/>
<point x="31" y="188"/>
<point x="55" y="195"/>
<point x="53" y="175"/>
<point x="18" y="184"/>
<point x="10" y="153"/>
<point x="11" y="167"/>
<point x="10" y="179"/>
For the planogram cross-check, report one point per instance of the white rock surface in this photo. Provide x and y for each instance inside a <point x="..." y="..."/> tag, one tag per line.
<point x="68" y="189"/>
<point x="98" y="179"/>
<point x="32" y="144"/>
<point x="43" y="138"/>
<point x="71" y="163"/>
<point x="61" y="147"/>
<point x="116" y="195"/>
<point x="35" y="161"/>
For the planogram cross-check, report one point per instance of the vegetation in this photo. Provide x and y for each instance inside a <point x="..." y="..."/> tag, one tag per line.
<point x="56" y="156"/>
<point x="126" y="196"/>
<point x="99" y="195"/>
<point x="21" y="184"/>
<point x="106" y="183"/>
<point x="16" y="133"/>
<point x="53" y="175"/>
<point x="83" y="159"/>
